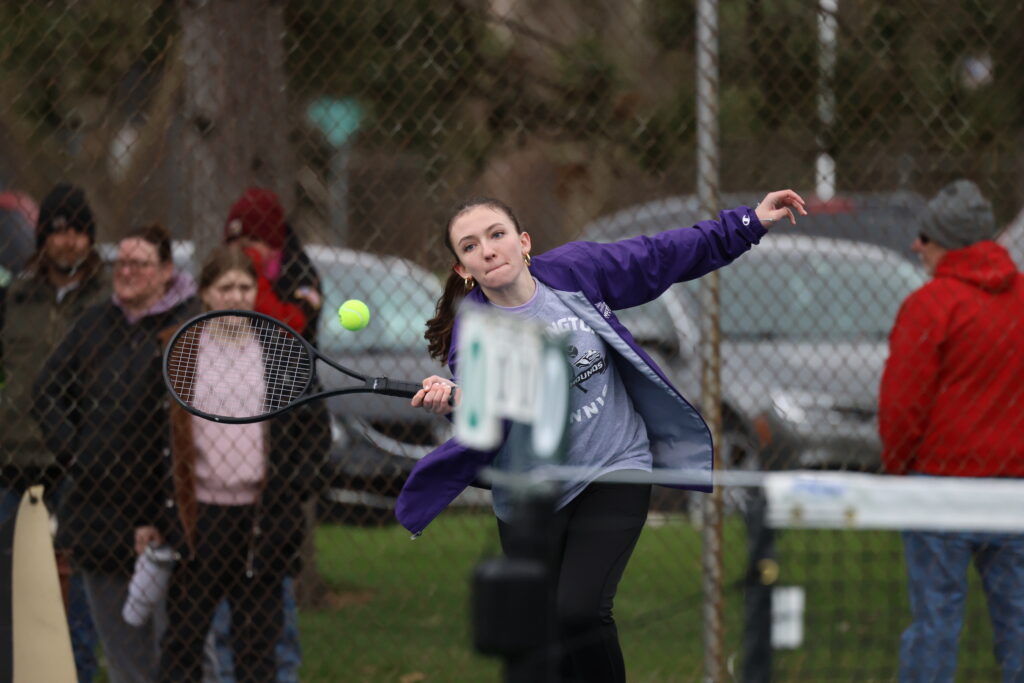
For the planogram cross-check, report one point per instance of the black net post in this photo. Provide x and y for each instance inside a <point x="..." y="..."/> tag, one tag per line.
<point x="759" y="582"/>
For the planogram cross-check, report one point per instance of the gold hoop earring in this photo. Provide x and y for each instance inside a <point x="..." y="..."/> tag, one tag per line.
<point x="526" y="258"/>
<point x="469" y="283"/>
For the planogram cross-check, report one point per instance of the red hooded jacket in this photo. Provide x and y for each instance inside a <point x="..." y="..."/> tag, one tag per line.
<point x="269" y="303"/>
<point x="952" y="395"/>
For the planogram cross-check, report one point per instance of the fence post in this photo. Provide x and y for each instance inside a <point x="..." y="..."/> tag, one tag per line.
<point x="708" y="193"/>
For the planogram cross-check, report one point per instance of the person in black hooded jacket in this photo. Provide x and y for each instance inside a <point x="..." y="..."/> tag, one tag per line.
<point x="101" y="405"/>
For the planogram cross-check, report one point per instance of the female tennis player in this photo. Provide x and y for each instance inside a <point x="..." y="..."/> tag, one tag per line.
<point x="236" y="518"/>
<point x="629" y="417"/>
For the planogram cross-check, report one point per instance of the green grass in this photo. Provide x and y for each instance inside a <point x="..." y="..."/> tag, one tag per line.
<point x="400" y="610"/>
<point x="857" y="608"/>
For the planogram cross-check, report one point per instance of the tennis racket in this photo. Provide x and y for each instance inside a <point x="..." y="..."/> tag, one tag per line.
<point x="238" y="367"/>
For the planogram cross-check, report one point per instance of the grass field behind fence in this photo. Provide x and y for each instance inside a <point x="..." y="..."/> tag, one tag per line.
<point x="403" y="605"/>
<point x="400" y="608"/>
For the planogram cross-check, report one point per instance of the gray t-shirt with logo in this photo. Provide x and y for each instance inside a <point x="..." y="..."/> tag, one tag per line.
<point x="605" y="431"/>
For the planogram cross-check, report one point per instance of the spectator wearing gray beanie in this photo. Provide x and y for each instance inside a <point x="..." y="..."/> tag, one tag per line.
<point x="958" y="216"/>
<point x="948" y="406"/>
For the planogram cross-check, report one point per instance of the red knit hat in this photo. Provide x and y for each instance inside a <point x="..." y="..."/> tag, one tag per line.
<point x="257" y="214"/>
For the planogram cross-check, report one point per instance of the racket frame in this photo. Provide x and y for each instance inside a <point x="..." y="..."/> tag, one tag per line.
<point x="373" y="385"/>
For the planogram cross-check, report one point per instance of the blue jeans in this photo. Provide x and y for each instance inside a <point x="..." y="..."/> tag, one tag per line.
<point x="9" y="502"/>
<point x="288" y="651"/>
<point x="937" y="564"/>
<point x="83" y="631"/>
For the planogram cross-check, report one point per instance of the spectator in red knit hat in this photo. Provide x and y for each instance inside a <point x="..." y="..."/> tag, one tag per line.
<point x="258" y="215"/>
<point x="289" y="288"/>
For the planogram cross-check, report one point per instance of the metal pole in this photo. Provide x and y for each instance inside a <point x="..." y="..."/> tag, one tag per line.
<point x="708" y="194"/>
<point x="825" y="165"/>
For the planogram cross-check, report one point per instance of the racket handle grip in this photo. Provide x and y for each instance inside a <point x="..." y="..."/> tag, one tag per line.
<point x="391" y="387"/>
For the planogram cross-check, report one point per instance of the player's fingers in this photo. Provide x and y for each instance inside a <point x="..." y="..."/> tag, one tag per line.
<point x="793" y="201"/>
<point x="430" y="397"/>
<point x="787" y="198"/>
<point x="779" y="205"/>
<point x="418" y="398"/>
<point x="781" y="198"/>
<point x="440" y="398"/>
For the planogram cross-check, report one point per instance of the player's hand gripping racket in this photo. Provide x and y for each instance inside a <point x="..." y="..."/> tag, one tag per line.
<point x="242" y="366"/>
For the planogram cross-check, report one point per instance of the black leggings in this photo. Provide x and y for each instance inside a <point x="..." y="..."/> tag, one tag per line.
<point x="197" y="586"/>
<point x="592" y="539"/>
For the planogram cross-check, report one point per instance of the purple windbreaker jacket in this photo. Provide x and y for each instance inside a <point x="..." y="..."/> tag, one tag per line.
<point x="594" y="280"/>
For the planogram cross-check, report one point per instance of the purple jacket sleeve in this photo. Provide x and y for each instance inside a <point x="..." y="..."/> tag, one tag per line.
<point x="636" y="270"/>
<point x="436" y="481"/>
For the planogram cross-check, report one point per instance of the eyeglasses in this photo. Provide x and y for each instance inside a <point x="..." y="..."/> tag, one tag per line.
<point x="923" y="238"/>
<point x="133" y="265"/>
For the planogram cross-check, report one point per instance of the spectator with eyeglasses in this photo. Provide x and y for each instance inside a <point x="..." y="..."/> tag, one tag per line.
<point x="101" y="404"/>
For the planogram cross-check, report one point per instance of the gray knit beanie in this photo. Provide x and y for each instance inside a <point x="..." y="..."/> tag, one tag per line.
<point x="958" y="216"/>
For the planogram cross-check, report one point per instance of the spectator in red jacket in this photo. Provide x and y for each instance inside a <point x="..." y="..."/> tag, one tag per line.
<point x="289" y="288"/>
<point x="952" y="404"/>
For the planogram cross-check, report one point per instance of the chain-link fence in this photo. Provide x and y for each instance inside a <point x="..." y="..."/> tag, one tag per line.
<point x="367" y="123"/>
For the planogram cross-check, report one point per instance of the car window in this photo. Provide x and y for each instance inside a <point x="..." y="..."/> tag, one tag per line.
<point x="823" y="297"/>
<point x="399" y="305"/>
<point x="649" y="322"/>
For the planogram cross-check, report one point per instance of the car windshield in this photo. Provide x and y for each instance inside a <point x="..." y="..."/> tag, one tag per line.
<point x="822" y="297"/>
<point x="400" y="305"/>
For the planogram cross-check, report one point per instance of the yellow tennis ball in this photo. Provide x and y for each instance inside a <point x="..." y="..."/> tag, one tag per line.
<point x="354" y="315"/>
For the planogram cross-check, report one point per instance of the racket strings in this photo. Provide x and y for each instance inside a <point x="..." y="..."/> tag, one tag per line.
<point x="235" y="367"/>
